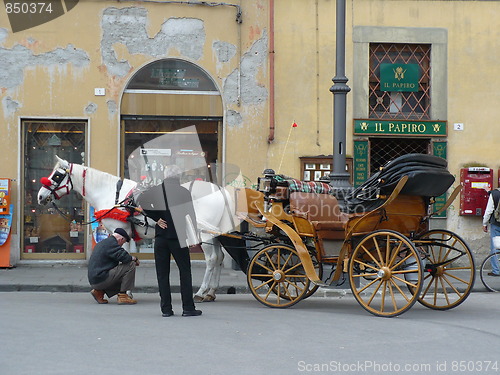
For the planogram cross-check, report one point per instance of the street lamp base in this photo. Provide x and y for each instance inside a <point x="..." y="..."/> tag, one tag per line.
<point x="341" y="185"/>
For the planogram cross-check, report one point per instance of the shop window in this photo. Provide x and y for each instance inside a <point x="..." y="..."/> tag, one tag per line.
<point x="141" y="131"/>
<point x="171" y="75"/>
<point x="47" y="234"/>
<point x="316" y="168"/>
<point x="401" y="103"/>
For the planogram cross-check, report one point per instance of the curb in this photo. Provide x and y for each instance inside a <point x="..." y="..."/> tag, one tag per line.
<point x="86" y="289"/>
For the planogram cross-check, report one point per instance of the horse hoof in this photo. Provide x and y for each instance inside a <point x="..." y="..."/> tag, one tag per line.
<point x="208" y="298"/>
<point x="198" y="299"/>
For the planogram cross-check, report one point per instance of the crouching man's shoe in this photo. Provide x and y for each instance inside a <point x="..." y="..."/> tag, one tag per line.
<point x="124" y="299"/>
<point x="191" y="313"/>
<point x="99" y="296"/>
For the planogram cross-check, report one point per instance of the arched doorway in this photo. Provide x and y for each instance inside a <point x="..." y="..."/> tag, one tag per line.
<point x="165" y="96"/>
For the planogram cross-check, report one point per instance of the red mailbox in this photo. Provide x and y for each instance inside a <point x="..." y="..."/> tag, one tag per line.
<point x="476" y="181"/>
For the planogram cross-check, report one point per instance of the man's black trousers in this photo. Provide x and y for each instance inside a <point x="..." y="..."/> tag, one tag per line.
<point x="163" y="249"/>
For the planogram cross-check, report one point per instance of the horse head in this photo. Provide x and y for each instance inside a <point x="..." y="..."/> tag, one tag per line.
<point x="58" y="184"/>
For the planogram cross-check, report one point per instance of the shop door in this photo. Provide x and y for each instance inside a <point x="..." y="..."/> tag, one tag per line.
<point x="163" y="97"/>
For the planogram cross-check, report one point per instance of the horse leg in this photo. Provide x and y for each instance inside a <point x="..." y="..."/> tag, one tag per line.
<point x="213" y="284"/>
<point x="209" y="251"/>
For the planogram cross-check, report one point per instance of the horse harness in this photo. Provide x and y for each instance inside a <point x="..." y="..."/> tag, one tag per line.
<point x="54" y="184"/>
<point x="54" y="181"/>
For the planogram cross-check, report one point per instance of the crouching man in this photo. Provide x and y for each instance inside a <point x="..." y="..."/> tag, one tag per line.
<point x="111" y="269"/>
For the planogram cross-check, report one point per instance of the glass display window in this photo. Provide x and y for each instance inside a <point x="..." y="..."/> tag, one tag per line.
<point x="46" y="233"/>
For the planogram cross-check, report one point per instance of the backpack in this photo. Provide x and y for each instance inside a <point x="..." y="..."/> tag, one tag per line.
<point x="496" y="199"/>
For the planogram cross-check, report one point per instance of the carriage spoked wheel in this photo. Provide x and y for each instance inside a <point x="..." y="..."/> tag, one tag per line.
<point x="318" y="267"/>
<point x="449" y="269"/>
<point x="276" y="276"/>
<point x="383" y="268"/>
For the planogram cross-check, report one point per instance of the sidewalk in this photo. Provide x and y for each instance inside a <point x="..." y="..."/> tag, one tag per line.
<point x="73" y="278"/>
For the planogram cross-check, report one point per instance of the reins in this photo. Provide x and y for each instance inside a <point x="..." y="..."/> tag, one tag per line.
<point x="68" y="219"/>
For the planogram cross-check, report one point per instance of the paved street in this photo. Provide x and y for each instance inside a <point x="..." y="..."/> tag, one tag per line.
<point x="68" y="333"/>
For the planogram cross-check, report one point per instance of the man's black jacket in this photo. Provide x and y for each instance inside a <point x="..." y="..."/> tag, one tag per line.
<point x="107" y="254"/>
<point x="170" y="202"/>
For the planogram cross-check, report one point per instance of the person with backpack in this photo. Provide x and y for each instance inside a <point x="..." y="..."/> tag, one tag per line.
<point x="492" y="217"/>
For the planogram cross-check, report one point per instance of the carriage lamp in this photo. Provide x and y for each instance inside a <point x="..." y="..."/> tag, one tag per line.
<point x="265" y="184"/>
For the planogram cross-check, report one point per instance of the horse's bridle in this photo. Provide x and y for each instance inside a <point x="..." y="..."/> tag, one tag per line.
<point x="59" y="182"/>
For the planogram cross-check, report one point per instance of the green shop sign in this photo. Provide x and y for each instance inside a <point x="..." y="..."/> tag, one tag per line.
<point x="399" y="77"/>
<point x="409" y="128"/>
<point x="440" y="149"/>
<point x="360" y="162"/>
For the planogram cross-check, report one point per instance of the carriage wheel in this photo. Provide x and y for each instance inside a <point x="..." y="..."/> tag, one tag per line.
<point x="318" y="267"/>
<point x="382" y="269"/>
<point x="449" y="270"/>
<point x="276" y="276"/>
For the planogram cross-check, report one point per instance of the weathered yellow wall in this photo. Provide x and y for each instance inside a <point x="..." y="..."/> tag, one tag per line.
<point x="305" y="44"/>
<point x="304" y="54"/>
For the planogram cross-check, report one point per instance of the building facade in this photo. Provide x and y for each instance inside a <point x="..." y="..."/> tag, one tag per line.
<point x="95" y="80"/>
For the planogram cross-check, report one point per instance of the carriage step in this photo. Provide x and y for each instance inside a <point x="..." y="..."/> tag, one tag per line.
<point x="321" y="284"/>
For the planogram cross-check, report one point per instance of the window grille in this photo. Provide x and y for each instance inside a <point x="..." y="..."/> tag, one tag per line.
<point x="383" y="150"/>
<point x="400" y="105"/>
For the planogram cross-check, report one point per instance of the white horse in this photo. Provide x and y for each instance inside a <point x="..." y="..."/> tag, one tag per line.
<point x="214" y="207"/>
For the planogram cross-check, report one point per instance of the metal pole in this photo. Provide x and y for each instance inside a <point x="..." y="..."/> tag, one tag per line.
<point x="339" y="178"/>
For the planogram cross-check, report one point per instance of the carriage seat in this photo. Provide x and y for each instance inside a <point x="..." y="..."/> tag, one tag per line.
<point x="322" y="211"/>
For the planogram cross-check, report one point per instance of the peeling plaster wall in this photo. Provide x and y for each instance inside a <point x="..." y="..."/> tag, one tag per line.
<point x="224" y="51"/>
<point x="128" y="27"/>
<point x="10" y="106"/>
<point x="112" y="108"/>
<point x="234" y="119"/>
<point x="90" y="109"/>
<point x="16" y="60"/>
<point x="252" y="62"/>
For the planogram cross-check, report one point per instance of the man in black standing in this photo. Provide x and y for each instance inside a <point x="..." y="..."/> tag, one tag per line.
<point x="111" y="269"/>
<point x="169" y="204"/>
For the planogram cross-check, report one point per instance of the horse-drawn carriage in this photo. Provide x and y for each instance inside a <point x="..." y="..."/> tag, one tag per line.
<point x="378" y="237"/>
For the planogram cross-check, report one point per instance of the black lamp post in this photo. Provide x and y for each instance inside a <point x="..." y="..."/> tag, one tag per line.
<point x="339" y="177"/>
